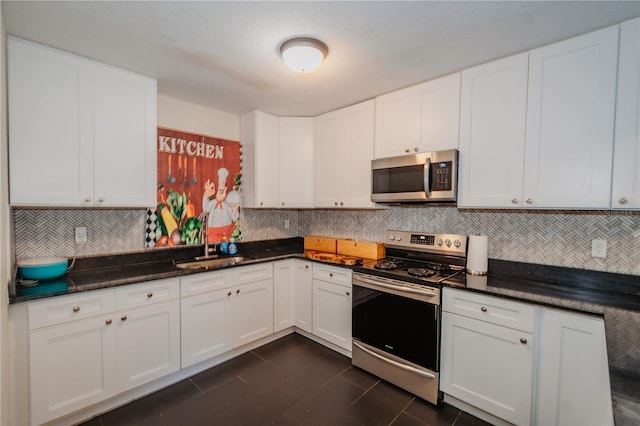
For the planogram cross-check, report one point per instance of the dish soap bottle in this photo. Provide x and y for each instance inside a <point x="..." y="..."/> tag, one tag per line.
<point x="224" y="245"/>
<point x="233" y="247"/>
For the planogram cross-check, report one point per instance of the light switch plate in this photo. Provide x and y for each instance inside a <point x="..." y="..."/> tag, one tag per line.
<point x="81" y="234"/>
<point x="599" y="248"/>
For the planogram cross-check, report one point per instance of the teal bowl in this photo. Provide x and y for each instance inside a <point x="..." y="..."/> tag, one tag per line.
<point x="43" y="268"/>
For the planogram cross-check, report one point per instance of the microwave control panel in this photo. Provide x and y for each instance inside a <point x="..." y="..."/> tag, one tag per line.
<point x="442" y="176"/>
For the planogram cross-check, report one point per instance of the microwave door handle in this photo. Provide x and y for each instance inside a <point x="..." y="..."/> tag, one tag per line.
<point x="427" y="177"/>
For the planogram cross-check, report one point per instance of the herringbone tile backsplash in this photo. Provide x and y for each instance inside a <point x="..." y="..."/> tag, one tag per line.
<point x="552" y="238"/>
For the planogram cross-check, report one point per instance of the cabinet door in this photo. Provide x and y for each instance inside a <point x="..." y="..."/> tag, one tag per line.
<point x="492" y="133"/>
<point x="283" y="294"/>
<point x="51" y="162"/>
<point x="303" y="295"/>
<point x="354" y="155"/>
<point x="252" y="311"/>
<point x="72" y="366"/>
<point x="327" y="164"/>
<point x="573" y="372"/>
<point x="148" y="343"/>
<point x="487" y="366"/>
<point x="125" y="138"/>
<point x="570" y="116"/>
<point x="397" y="123"/>
<point x="332" y="313"/>
<point x="440" y="113"/>
<point x="296" y="162"/>
<point x="626" y="163"/>
<point x="205" y="326"/>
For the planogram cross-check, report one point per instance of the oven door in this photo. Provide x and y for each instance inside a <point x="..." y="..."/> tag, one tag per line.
<point x="401" y="320"/>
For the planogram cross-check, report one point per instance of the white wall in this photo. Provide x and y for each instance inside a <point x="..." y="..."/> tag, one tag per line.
<point x="5" y="249"/>
<point x="182" y="115"/>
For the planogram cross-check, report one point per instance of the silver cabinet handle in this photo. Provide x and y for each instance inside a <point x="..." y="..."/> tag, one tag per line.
<point x="150" y="295"/>
<point x="282" y="204"/>
<point x="229" y="293"/>
<point x="397" y="287"/>
<point x="237" y="291"/>
<point x="514" y="201"/>
<point x="415" y="149"/>
<point x="523" y="341"/>
<point x="101" y="199"/>
<point x="331" y="274"/>
<point x="395" y="363"/>
<point x="348" y="293"/>
<point x="483" y="309"/>
<point x="528" y="201"/>
<point x="76" y="309"/>
<point x="87" y="199"/>
<point x="623" y="201"/>
<point x="407" y="150"/>
<point x="108" y="321"/>
<point x="123" y="318"/>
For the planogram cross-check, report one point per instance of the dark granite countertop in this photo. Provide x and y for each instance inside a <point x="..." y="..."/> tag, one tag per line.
<point x="574" y="289"/>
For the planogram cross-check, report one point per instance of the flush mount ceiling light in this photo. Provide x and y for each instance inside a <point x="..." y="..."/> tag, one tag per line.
<point x="303" y="54"/>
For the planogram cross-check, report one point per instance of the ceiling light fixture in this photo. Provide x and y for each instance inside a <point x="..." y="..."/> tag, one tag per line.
<point x="303" y="54"/>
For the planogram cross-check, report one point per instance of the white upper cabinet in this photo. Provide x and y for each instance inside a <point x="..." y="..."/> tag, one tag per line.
<point x="81" y="133"/>
<point x="277" y="161"/>
<point x="570" y="116"/>
<point x="343" y="150"/>
<point x="492" y="130"/>
<point x="542" y="140"/>
<point x="419" y="118"/>
<point x="625" y="192"/>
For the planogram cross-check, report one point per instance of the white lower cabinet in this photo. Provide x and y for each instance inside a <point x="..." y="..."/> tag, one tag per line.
<point x="252" y="311"/>
<point x="573" y="372"/>
<point x="88" y="347"/>
<point x="303" y="295"/>
<point x="488" y="363"/>
<point x="524" y="364"/>
<point x="72" y="366"/>
<point x="332" y="304"/>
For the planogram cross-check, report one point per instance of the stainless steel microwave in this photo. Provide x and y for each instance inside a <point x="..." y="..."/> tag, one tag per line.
<point x="417" y="178"/>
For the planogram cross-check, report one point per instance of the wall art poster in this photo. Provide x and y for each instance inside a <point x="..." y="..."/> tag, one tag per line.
<point x="198" y="177"/>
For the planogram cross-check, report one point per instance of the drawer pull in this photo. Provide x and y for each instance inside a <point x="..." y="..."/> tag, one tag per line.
<point x="108" y="321"/>
<point x="523" y="341"/>
<point x="229" y="293"/>
<point x="123" y="318"/>
<point x="237" y="291"/>
<point x="331" y="274"/>
<point x="348" y="293"/>
<point x="76" y="309"/>
<point x="150" y="295"/>
<point x="483" y="309"/>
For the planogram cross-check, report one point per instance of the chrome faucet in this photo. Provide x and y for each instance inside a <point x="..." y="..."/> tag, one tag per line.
<point x="204" y="236"/>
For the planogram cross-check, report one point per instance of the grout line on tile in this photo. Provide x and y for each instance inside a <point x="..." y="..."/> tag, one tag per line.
<point x="457" y="417"/>
<point x="194" y="384"/>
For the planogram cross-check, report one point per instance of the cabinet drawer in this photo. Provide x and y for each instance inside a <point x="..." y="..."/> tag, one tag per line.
<point x="63" y="309"/>
<point x="332" y="274"/>
<point x="208" y="281"/>
<point x="147" y="293"/>
<point x="494" y="310"/>
<point x="252" y="273"/>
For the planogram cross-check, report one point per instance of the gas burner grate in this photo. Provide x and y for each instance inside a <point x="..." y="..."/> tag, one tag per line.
<point x="421" y="272"/>
<point x="386" y="265"/>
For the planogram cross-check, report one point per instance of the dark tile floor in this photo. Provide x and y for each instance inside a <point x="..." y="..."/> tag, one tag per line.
<point x="292" y="381"/>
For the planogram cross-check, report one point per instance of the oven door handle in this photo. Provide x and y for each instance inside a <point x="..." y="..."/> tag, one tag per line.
<point x="395" y="363"/>
<point x="398" y="287"/>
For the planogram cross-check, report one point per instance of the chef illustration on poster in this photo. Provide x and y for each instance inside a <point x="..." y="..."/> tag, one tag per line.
<point x="198" y="176"/>
<point x="223" y="207"/>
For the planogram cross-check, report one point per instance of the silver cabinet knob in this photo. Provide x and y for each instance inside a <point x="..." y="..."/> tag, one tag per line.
<point x="282" y="204"/>
<point x="331" y="274"/>
<point x="306" y="266"/>
<point x="415" y="149"/>
<point x="483" y="309"/>
<point x="123" y="318"/>
<point x="336" y="203"/>
<point x="237" y="291"/>
<point x="261" y="203"/>
<point x="523" y="341"/>
<point x="76" y="309"/>
<point x="407" y="150"/>
<point x="528" y="201"/>
<point x="108" y="321"/>
<point x="229" y="293"/>
<point x="150" y="295"/>
<point x="87" y="199"/>
<point x="341" y="203"/>
<point x="101" y="199"/>
<point x="348" y="293"/>
<point x="514" y="201"/>
<point x="623" y="201"/>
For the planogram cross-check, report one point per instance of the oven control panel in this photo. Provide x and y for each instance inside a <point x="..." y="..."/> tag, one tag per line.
<point x="435" y="243"/>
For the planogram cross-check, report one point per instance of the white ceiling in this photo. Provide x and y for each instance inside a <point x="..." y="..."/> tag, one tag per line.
<point x="224" y="54"/>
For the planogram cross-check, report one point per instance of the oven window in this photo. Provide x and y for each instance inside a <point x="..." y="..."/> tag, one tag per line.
<point x="398" y="179"/>
<point x="403" y="327"/>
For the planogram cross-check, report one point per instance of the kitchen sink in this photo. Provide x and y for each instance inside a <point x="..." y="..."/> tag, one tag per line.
<point x="219" y="262"/>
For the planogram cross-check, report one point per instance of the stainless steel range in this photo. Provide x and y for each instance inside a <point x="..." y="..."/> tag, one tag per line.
<point x="396" y="309"/>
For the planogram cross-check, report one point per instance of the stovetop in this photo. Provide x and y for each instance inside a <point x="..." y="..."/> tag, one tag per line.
<point x="421" y="258"/>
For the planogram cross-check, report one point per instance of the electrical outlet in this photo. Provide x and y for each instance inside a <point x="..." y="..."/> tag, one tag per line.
<point x="599" y="248"/>
<point x="81" y="234"/>
<point x="286" y="224"/>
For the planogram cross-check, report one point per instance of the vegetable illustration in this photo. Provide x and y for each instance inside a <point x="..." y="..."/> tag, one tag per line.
<point x="191" y="231"/>
<point x="169" y="222"/>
